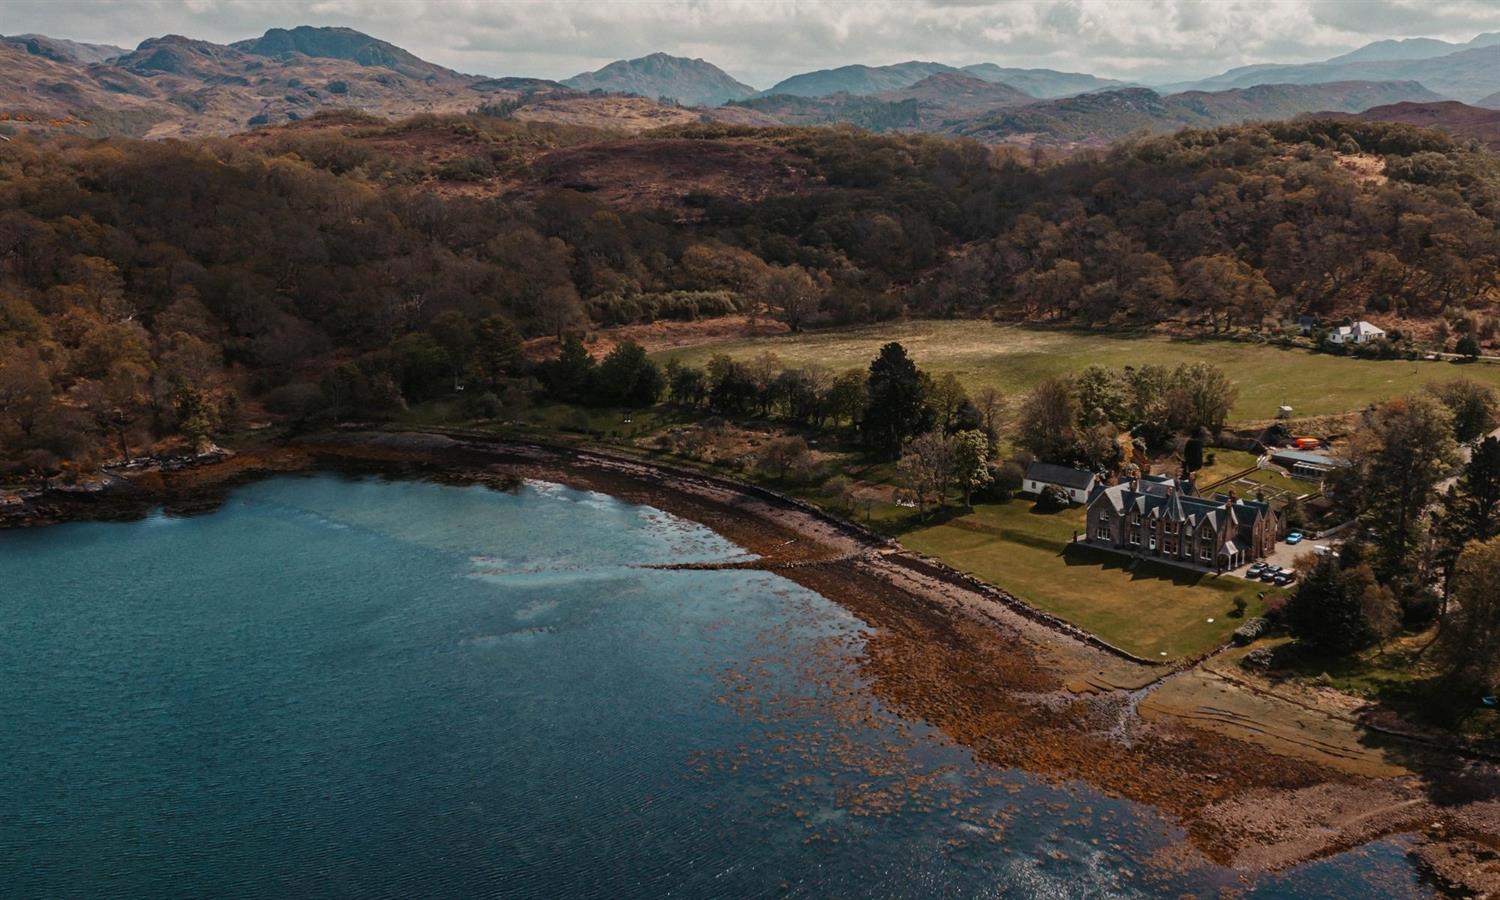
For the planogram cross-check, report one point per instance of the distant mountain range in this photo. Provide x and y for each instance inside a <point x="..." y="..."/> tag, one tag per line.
<point x="1107" y="116"/>
<point x="856" y="80"/>
<point x="1044" y="83"/>
<point x="691" y="82"/>
<point x="928" y="105"/>
<point x="862" y="81"/>
<point x="178" y="86"/>
<point x="1414" y="48"/>
<point x="1468" y="75"/>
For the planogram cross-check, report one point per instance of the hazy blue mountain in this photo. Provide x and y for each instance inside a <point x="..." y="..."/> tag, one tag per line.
<point x="1414" y="48"/>
<point x="691" y="82"/>
<point x="1467" y="75"/>
<point x="858" y="80"/>
<point x="1044" y="83"/>
<point x="934" y="104"/>
<point x="62" y="50"/>
<point x="1106" y="116"/>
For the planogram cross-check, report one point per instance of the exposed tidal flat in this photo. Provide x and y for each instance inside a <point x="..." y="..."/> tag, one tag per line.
<point x="355" y="686"/>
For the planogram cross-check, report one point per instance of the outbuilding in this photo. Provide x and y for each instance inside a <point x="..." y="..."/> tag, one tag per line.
<point x="1076" y="483"/>
<point x="1310" y="465"/>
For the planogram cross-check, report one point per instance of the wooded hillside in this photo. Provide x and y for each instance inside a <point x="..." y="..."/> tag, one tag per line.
<point x="155" y="289"/>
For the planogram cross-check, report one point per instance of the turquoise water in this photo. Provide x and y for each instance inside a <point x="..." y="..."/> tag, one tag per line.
<point x="356" y="687"/>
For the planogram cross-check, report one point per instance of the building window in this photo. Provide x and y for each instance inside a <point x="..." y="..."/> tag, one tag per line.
<point x="1153" y="542"/>
<point x="1171" y="547"/>
<point x="1208" y="552"/>
<point x="1135" y="536"/>
<point x="1102" y="532"/>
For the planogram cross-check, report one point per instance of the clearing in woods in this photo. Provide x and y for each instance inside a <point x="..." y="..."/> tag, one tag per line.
<point x="1012" y="358"/>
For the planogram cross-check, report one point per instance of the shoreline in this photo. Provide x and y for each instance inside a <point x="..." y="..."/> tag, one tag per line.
<point x="1015" y="689"/>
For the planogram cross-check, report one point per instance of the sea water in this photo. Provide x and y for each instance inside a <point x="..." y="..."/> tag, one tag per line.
<point x="368" y="688"/>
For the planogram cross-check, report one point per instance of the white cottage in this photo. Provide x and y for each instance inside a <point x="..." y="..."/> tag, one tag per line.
<point x="1076" y="483"/>
<point x="1359" y="333"/>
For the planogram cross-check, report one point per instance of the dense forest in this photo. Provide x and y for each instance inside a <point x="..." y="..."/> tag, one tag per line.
<point x="150" y="290"/>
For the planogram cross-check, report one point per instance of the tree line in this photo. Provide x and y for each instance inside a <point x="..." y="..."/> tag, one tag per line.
<point x="1422" y="484"/>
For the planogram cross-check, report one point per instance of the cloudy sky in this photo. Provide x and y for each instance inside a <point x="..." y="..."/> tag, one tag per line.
<point x="762" y="41"/>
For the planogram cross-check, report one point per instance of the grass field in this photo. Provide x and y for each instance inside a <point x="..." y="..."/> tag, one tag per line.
<point x="1225" y="464"/>
<point x="1156" y="611"/>
<point x="1013" y="358"/>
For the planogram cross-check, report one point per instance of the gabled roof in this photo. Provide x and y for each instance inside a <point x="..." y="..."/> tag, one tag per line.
<point x="1359" y="329"/>
<point x="1160" y="497"/>
<point x="1077" y="479"/>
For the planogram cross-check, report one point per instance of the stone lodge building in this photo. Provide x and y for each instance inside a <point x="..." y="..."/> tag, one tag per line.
<point x="1159" y="517"/>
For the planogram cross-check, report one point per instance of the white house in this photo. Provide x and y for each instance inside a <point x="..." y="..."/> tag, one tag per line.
<point x="1076" y="483"/>
<point x="1359" y="333"/>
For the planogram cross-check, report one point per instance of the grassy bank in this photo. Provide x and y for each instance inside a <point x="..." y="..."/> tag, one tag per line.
<point x="1154" y="610"/>
<point x="1013" y="358"/>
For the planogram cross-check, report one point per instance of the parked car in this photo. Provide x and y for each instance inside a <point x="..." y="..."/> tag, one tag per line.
<point x="1283" y="579"/>
<point x="1322" y="549"/>
<point x="1255" y="570"/>
<point x="1270" y="572"/>
<point x="1294" y="537"/>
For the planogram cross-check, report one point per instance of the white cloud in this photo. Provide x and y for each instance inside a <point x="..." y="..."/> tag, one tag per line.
<point x="762" y="41"/>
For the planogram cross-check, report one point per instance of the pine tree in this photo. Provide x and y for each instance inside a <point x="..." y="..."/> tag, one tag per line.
<point x="896" y="409"/>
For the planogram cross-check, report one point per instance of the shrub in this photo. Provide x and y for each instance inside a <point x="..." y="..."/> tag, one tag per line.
<point x="1251" y="631"/>
<point x="298" y="400"/>
<point x="1005" y="480"/>
<point x="483" y="406"/>
<point x="838" y="489"/>
<point x="1052" y="499"/>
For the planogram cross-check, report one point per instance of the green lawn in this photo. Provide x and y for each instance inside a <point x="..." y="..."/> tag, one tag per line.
<point x="1225" y="464"/>
<point x="1013" y="358"/>
<point x="1151" y="611"/>
<point x="1274" y="479"/>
